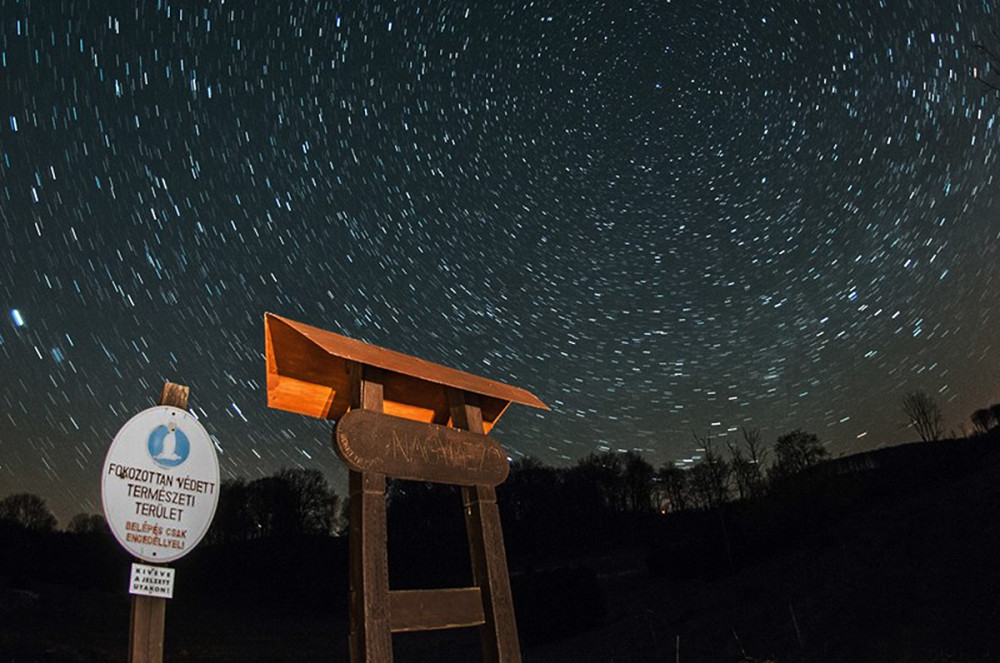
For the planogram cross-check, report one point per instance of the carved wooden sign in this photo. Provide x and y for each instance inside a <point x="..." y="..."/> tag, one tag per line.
<point x="372" y="442"/>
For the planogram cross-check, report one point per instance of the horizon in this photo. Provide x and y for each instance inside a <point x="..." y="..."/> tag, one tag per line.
<point x="63" y="519"/>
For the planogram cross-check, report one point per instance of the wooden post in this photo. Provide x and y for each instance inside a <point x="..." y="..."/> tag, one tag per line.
<point x="370" y="635"/>
<point x="489" y="559"/>
<point x="146" y="621"/>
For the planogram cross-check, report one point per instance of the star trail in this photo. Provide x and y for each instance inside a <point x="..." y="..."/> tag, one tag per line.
<point x="660" y="217"/>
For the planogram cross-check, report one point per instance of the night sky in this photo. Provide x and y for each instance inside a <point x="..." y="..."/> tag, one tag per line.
<point x="659" y="217"/>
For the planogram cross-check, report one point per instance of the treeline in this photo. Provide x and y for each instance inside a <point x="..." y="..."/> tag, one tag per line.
<point x="923" y="414"/>
<point x="295" y="502"/>
<point x="301" y="501"/>
<point x="986" y="419"/>
<point x="615" y="482"/>
<point x="288" y="503"/>
<point x="291" y="502"/>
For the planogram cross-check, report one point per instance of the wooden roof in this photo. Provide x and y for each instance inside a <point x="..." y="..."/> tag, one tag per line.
<point x="308" y="372"/>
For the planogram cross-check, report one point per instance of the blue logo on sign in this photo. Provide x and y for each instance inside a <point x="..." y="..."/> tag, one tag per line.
<point x="168" y="445"/>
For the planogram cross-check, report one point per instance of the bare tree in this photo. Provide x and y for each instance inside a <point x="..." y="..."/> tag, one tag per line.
<point x="673" y="486"/>
<point x="747" y="463"/>
<point x="529" y="490"/>
<point x="710" y="479"/>
<point x="710" y="482"/>
<point x="27" y="510"/>
<point x="637" y="475"/>
<point x="740" y="467"/>
<point x="923" y="413"/>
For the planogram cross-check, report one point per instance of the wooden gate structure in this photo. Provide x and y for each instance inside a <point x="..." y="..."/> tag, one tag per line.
<point x="402" y="417"/>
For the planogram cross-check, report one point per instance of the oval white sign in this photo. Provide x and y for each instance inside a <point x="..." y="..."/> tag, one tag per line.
<point x="160" y="484"/>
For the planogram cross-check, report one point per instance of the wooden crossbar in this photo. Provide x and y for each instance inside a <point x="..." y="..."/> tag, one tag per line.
<point x="432" y="609"/>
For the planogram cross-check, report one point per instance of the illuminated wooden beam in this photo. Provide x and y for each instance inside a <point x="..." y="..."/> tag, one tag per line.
<point x="309" y="372"/>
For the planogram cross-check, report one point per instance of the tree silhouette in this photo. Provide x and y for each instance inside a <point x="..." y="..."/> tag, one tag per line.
<point x="982" y="420"/>
<point x="794" y="452"/>
<point x="710" y="483"/>
<point x="747" y="462"/>
<point x="582" y="494"/>
<point x="288" y="503"/>
<point x="710" y="479"/>
<point x="672" y="483"/>
<point x="923" y="414"/>
<point x="418" y="507"/>
<point x="233" y="520"/>
<point x="87" y="523"/>
<point x="531" y="489"/>
<point x="269" y="502"/>
<point x="637" y="477"/>
<point x="27" y="510"/>
<point x="313" y="501"/>
<point x="603" y="472"/>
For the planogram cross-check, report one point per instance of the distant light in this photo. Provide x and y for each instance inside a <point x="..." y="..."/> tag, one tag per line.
<point x="18" y="320"/>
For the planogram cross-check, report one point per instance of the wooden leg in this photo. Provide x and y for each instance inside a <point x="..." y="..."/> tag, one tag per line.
<point x="370" y="635"/>
<point x="489" y="570"/>
<point x="146" y="626"/>
<point x="489" y="559"/>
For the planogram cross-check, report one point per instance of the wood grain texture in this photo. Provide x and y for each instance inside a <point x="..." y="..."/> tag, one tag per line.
<point x="146" y="628"/>
<point x="486" y="548"/>
<point x="371" y="442"/>
<point x="367" y="387"/>
<point x="148" y="613"/>
<point x="370" y="636"/>
<point x="377" y="612"/>
<point x="175" y="395"/>
<point x="431" y="609"/>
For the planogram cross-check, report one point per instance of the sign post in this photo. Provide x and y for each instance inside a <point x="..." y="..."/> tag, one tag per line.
<point x="403" y="417"/>
<point x="159" y="489"/>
